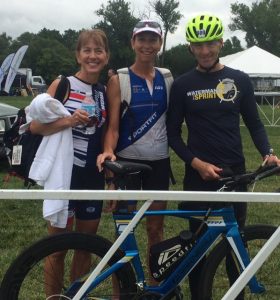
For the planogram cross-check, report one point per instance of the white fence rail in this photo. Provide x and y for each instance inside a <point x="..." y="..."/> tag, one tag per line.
<point x="272" y="100"/>
<point x="140" y="195"/>
<point x="240" y="283"/>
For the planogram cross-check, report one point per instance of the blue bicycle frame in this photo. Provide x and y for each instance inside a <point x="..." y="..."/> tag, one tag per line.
<point x="220" y="222"/>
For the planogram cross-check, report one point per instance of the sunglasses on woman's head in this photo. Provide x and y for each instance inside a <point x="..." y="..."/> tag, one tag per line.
<point x="151" y="24"/>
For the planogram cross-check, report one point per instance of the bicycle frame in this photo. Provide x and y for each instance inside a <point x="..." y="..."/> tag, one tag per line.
<point x="221" y="222"/>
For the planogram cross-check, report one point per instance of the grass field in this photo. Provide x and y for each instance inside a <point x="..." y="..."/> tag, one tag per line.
<point x="21" y="222"/>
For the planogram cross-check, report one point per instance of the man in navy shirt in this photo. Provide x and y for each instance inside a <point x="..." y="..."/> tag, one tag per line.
<point x="210" y="99"/>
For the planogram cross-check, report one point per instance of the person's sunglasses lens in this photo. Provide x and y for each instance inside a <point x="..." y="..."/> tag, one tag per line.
<point x="150" y="24"/>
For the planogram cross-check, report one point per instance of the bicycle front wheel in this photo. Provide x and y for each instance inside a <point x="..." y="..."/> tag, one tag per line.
<point x="36" y="275"/>
<point x="215" y="282"/>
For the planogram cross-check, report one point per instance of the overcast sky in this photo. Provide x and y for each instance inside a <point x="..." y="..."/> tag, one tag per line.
<point x="19" y="16"/>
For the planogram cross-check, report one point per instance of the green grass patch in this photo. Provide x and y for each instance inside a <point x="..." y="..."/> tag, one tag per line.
<point x="16" y="101"/>
<point x="21" y="222"/>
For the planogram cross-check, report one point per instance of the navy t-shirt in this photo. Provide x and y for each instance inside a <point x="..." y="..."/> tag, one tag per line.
<point x="211" y="105"/>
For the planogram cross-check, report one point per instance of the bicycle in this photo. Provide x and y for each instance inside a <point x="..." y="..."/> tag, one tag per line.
<point x="124" y="276"/>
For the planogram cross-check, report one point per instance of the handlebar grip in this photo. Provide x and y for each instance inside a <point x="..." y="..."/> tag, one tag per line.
<point x="226" y="172"/>
<point x="268" y="172"/>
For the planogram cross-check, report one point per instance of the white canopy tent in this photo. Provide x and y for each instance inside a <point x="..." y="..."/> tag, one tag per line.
<point x="264" y="71"/>
<point x="254" y="61"/>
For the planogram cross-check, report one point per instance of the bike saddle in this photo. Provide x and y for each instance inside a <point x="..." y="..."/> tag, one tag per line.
<point x="120" y="167"/>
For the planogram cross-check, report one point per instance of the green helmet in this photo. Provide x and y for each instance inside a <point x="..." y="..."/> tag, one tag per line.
<point x="204" y="28"/>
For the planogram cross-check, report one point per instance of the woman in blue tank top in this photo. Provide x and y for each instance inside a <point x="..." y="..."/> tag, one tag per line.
<point x="140" y="135"/>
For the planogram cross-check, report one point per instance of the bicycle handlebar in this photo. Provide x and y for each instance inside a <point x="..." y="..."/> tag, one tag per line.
<point x="230" y="182"/>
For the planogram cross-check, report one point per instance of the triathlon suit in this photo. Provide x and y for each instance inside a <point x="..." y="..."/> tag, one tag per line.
<point x="85" y="175"/>
<point x="142" y="134"/>
<point x="211" y="105"/>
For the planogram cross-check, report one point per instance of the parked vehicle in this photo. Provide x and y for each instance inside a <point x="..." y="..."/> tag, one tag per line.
<point x="35" y="82"/>
<point x="8" y="115"/>
<point x="38" y="82"/>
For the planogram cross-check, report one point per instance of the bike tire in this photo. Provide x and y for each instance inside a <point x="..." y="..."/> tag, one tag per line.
<point x="215" y="283"/>
<point x="25" y="277"/>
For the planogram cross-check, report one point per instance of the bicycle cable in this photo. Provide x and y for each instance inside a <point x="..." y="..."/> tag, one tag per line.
<point x="202" y="223"/>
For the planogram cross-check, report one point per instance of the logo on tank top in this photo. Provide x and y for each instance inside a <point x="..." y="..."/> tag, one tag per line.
<point x="158" y="87"/>
<point x="138" y="89"/>
<point x="226" y="90"/>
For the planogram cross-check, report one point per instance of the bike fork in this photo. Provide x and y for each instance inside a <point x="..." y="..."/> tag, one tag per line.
<point x="237" y="244"/>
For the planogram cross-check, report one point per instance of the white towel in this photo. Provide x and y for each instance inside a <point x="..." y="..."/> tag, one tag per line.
<point x="52" y="165"/>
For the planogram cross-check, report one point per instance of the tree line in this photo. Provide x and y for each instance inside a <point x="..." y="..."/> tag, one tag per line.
<point x="51" y="53"/>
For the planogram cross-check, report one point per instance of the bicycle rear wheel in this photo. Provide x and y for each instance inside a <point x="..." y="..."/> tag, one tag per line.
<point x="215" y="282"/>
<point x="26" y="279"/>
